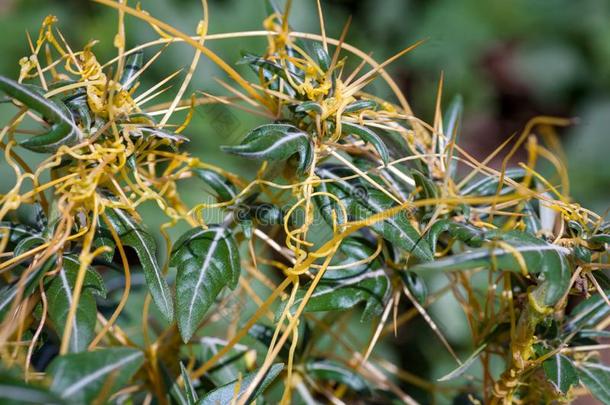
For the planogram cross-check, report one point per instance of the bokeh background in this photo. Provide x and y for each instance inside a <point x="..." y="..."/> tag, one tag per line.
<point x="510" y="61"/>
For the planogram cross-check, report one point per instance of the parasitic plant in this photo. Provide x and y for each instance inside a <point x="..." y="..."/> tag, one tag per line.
<point x="359" y="217"/>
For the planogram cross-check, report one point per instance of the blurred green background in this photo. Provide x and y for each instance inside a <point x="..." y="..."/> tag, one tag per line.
<point x="510" y="60"/>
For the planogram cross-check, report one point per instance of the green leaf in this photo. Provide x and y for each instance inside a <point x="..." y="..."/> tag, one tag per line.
<point x="227" y="393"/>
<point x="360" y="105"/>
<point x="132" y="235"/>
<point x="596" y="377"/>
<point x="396" y="229"/>
<point x="539" y="256"/>
<point x="148" y="132"/>
<point x="273" y="72"/>
<point x="582" y="253"/>
<point x="318" y="53"/>
<point x="592" y="333"/>
<point x="362" y="202"/>
<point x="207" y="261"/>
<point x="451" y="123"/>
<point x="63" y="129"/>
<point x="428" y="190"/>
<point x="13" y="391"/>
<point x="588" y="313"/>
<point x="601" y="239"/>
<point x="191" y="394"/>
<point x="221" y="186"/>
<point x="367" y="135"/>
<point x="561" y="372"/>
<point x="466" y="233"/>
<point x="80" y="377"/>
<point x="335" y="185"/>
<point x="531" y="219"/>
<point x="307" y="106"/>
<point x="28" y="243"/>
<point x="489" y="185"/>
<point x="342" y="289"/>
<point x="9" y="292"/>
<point x="416" y="286"/>
<point x="104" y="238"/>
<point x="16" y="232"/>
<point x="264" y="334"/>
<point x="465" y="365"/>
<point x="275" y="142"/>
<point x="272" y="67"/>
<point x="133" y="64"/>
<point x="451" y="119"/>
<point x="329" y="370"/>
<point x="59" y="296"/>
<point x="266" y="214"/>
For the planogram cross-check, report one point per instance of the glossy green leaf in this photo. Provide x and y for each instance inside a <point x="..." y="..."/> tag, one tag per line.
<point x="582" y="253"/>
<point x="531" y="219"/>
<point x="489" y="185"/>
<point x="588" y="313"/>
<point x="416" y="286"/>
<point x="592" y="333"/>
<point x="560" y="372"/>
<point x="329" y="370"/>
<point x="465" y="364"/>
<point x="451" y="123"/>
<point x="104" y="238"/>
<point x="466" y="233"/>
<point x="360" y="105"/>
<point x="342" y="289"/>
<point x="427" y="188"/>
<point x="601" y="239"/>
<point x="451" y="119"/>
<point x="16" y="232"/>
<point x="362" y="202"/>
<point x="367" y="135"/>
<point x="28" y="243"/>
<point x="596" y="377"/>
<point x="335" y="185"/>
<point x="59" y="297"/>
<point x="275" y="142"/>
<point x="264" y="334"/>
<point x="207" y="261"/>
<point x="396" y="229"/>
<point x="272" y="72"/>
<point x="148" y="132"/>
<point x="539" y="256"/>
<point x="80" y="377"/>
<point x="221" y="186"/>
<point x="307" y="106"/>
<point x="143" y="243"/>
<point x="189" y="391"/>
<point x="272" y="67"/>
<point x="14" y="391"/>
<point x="133" y="64"/>
<point x="9" y="292"/>
<point x="63" y="129"/>
<point x="266" y="214"/>
<point x="316" y="50"/>
<point x="227" y="393"/>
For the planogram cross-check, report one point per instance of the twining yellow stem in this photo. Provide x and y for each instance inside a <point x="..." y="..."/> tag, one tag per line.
<point x="202" y="30"/>
<point x="205" y="367"/>
<point x="272" y="354"/>
<point x="211" y="55"/>
<point x="85" y="258"/>
<point x="125" y="296"/>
